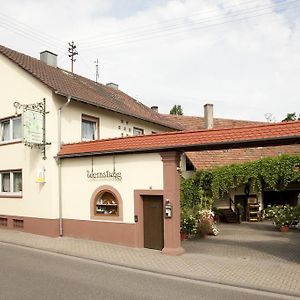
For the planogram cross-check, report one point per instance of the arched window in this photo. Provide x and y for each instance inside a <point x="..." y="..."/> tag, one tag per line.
<point x="106" y="204"/>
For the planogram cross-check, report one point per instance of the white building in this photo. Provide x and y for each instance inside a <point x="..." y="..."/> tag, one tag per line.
<point x="36" y="194"/>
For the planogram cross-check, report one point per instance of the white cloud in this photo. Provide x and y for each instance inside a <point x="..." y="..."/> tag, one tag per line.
<point x="172" y="52"/>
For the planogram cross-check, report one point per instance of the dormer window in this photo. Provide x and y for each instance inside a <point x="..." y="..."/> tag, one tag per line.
<point x="138" y="131"/>
<point x="89" y="128"/>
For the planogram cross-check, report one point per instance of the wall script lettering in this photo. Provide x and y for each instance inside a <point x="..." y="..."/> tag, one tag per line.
<point x="103" y="175"/>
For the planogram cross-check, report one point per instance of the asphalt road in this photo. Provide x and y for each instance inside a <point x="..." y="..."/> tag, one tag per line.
<point x="33" y="274"/>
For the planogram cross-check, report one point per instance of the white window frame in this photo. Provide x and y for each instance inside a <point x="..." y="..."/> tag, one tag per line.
<point x="93" y="120"/>
<point x="11" y="130"/>
<point x="136" y="130"/>
<point x="11" y="193"/>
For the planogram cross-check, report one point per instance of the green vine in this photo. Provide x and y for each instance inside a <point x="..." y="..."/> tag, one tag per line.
<point x="272" y="172"/>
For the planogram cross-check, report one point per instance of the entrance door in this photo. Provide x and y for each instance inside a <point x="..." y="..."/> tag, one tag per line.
<point x="153" y="222"/>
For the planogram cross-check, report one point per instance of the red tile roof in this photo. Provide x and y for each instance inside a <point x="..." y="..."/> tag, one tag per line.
<point x="85" y="90"/>
<point x="212" y="158"/>
<point x="198" y="123"/>
<point x="189" y="140"/>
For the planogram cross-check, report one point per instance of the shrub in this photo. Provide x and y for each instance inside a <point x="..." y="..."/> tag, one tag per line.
<point x="282" y="215"/>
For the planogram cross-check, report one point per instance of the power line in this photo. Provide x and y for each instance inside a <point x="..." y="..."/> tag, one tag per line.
<point x="92" y="39"/>
<point x="161" y="33"/>
<point x="110" y="39"/>
<point x="23" y="29"/>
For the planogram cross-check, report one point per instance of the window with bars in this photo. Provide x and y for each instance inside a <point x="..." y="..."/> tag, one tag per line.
<point x="3" y="222"/>
<point x="10" y="130"/>
<point x="17" y="223"/>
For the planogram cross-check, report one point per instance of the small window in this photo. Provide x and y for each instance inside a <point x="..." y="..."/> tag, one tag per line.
<point x="3" y="222"/>
<point x="5" y="130"/>
<point x="10" y="129"/>
<point x="16" y="128"/>
<point x="138" y="131"/>
<point x="17" y="223"/>
<point x="89" y="128"/>
<point x="5" y="186"/>
<point x="106" y="204"/>
<point x="11" y="183"/>
<point x="17" y="182"/>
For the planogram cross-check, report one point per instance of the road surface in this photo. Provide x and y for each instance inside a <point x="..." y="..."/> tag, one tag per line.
<point x="33" y="274"/>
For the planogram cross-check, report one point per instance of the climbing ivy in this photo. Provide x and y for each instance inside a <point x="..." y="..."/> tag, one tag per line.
<point x="272" y="172"/>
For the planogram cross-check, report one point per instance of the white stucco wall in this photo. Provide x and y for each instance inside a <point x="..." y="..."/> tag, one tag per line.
<point x="139" y="171"/>
<point x="37" y="199"/>
<point x="41" y="199"/>
<point x="109" y="122"/>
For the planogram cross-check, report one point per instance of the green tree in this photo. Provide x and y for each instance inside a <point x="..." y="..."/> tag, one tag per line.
<point x="176" y="110"/>
<point x="291" y="117"/>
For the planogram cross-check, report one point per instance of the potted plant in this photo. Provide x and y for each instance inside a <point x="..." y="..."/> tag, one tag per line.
<point x="206" y="223"/>
<point x="188" y="226"/>
<point x="283" y="216"/>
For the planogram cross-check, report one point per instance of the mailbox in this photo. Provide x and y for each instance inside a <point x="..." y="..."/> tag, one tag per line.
<point x="168" y="209"/>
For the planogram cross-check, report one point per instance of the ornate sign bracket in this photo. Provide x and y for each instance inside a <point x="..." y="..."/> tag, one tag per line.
<point x="37" y="109"/>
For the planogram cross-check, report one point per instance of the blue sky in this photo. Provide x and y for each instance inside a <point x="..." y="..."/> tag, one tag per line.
<point x="243" y="56"/>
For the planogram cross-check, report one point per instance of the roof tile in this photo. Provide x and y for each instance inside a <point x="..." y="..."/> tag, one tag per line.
<point x="185" y="139"/>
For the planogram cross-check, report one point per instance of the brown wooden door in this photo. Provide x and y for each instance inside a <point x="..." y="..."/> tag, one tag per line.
<point x="153" y="222"/>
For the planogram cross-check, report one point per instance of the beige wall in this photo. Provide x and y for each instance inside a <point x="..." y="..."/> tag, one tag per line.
<point x="37" y="200"/>
<point x="41" y="199"/>
<point x="109" y="122"/>
<point x="139" y="171"/>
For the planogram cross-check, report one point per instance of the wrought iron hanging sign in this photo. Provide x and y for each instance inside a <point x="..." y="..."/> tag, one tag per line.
<point x="34" y="124"/>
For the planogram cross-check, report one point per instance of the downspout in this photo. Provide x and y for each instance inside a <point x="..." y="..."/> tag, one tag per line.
<point x="59" y="165"/>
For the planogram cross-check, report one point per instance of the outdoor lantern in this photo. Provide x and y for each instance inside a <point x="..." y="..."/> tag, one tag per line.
<point x="168" y="209"/>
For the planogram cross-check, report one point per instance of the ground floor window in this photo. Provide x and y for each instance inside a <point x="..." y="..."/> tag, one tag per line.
<point x="11" y="183"/>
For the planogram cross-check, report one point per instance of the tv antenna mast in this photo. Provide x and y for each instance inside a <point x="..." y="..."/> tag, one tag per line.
<point x="72" y="50"/>
<point x="97" y="69"/>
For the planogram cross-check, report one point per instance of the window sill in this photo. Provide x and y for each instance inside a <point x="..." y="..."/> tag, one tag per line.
<point x="2" y="143"/>
<point x="106" y="217"/>
<point x="11" y="195"/>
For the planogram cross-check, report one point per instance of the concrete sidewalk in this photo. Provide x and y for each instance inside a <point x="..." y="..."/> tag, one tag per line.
<point x="244" y="255"/>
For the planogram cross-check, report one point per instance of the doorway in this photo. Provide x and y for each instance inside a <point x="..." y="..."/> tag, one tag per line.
<point x="241" y="202"/>
<point x="153" y="222"/>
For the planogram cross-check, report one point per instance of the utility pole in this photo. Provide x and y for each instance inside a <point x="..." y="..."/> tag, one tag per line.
<point x="97" y="69"/>
<point x="72" y="50"/>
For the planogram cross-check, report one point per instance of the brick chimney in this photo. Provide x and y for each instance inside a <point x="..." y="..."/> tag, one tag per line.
<point x="113" y="85"/>
<point x="49" y="58"/>
<point x="155" y="108"/>
<point x="209" y="116"/>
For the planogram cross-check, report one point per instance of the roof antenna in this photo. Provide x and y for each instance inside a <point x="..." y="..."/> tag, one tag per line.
<point x="72" y="50"/>
<point x="97" y="69"/>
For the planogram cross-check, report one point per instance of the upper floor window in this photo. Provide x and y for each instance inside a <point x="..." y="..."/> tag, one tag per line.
<point x="89" y="128"/>
<point x="10" y="129"/>
<point x="11" y="183"/>
<point x="138" y="131"/>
